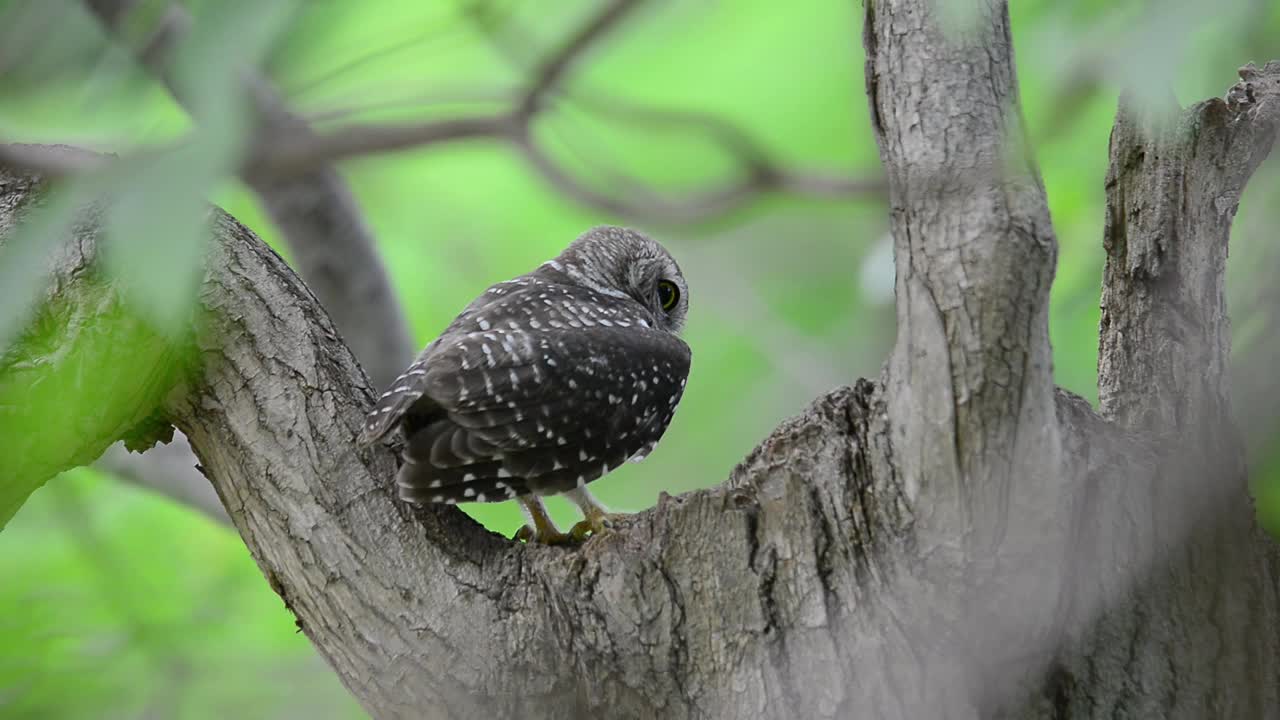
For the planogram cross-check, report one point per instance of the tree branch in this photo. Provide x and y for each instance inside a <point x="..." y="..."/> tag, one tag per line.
<point x="1169" y="215"/>
<point x="759" y="173"/>
<point x="287" y="154"/>
<point x="970" y="378"/>
<point x="1174" y="183"/>
<point x="699" y="206"/>
<point x="168" y="470"/>
<point x="556" y="67"/>
<point x="48" y="161"/>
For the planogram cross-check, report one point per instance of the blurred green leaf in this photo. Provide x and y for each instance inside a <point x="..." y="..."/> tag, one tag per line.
<point x="156" y="220"/>
<point x="84" y="372"/>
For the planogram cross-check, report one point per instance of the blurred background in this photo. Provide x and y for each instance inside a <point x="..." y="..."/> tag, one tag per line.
<point x="117" y="602"/>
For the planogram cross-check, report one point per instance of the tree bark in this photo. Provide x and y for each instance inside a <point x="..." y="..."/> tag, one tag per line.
<point x="974" y="432"/>
<point x="1199" y="635"/>
<point x="958" y="540"/>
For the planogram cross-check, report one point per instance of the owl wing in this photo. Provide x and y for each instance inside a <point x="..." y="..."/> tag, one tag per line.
<point x="408" y="390"/>
<point x="405" y="392"/>
<point x="541" y="412"/>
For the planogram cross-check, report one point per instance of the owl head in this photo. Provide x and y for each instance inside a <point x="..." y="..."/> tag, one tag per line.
<point x="623" y="262"/>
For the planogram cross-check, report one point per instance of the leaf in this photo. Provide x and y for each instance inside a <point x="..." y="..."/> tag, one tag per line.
<point x="85" y="371"/>
<point x="157" y="220"/>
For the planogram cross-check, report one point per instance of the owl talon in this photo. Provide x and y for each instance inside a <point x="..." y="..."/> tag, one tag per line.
<point x="596" y="524"/>
<point x="541" y="529"/>
<point x="581" y="530"/>
<point x="548" y="537"/>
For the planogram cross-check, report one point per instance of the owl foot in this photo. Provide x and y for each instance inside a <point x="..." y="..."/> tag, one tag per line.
<point x="540" y="528"/>
<point x="596" y="523"/>
<point x="552" y="536"/>
<point x="596" y="518"/>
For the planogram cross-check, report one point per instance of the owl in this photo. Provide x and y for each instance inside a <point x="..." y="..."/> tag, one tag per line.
<point x="545" y="383"/>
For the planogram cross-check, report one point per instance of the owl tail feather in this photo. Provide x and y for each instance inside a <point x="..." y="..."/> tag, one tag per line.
<point x="421" y="483"/>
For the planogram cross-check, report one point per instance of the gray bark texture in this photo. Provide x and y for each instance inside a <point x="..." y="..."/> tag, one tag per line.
<point x="957" y="539"/>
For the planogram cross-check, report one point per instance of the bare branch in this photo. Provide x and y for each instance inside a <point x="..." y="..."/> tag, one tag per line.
<point x="553" y="70"/>
<point x="168" y="470"/>
<point x="286" y="155"/>
<point x="761" y="175"/>
<point x="285" y="149"/>
<point x="154" y="49"/>
<point x="705" y="204"/>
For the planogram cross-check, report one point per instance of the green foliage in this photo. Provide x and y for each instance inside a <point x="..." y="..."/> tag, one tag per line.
<point x="86" y="371"/>
<point x="118" y="604"/>
<point x="156" y="218"/>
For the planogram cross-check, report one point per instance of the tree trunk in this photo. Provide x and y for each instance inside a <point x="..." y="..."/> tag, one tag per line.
<point x="956" y="540"/>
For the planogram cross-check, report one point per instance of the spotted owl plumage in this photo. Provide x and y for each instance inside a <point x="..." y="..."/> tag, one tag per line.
<point x="545" y="382"/>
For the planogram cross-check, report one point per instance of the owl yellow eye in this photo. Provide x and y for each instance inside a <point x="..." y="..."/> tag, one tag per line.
<point x="668" y="294"/>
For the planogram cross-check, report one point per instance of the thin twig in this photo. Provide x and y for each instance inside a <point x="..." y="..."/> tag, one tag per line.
<point x="759" y="174"/>
<point x="288" y="154"/>
<point x="285" y="151"/>
<point x="702" y="205"/>
<point x="553" y="70"/>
